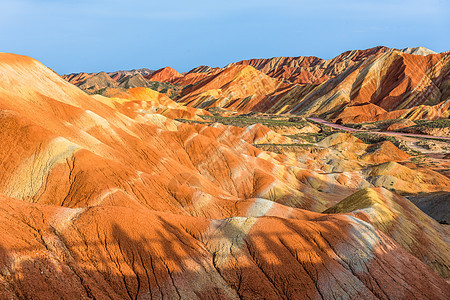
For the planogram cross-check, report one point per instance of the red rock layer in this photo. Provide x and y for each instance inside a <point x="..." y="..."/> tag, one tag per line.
<point x="95" y="204"/>
<point x="383" y="86"/>
<point x="166" y="74"/>
<point x="118" y="252"/>
<point x="77" y="78"/>
<point x="407" y="231"/>
<point x="235" y="88"/>
<point x="356" y="86"/>
<point x="310" y="69"/>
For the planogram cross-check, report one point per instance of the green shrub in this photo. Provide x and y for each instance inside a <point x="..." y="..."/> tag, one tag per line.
<point x="442" y="123"/>
<point x="242" y="121"/>
<point x="373" y="138"/>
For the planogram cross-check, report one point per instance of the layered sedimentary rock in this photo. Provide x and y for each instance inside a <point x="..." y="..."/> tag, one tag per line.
<point x="112" y="198"/>
<point x="385" y="86"/>
<point x="356" y="86"/>
<point x="165" y="74"/>
<point x="114" y="252"/>
<point x="236" y="88"/>
<point x="404" y="222"/>
<point x="141" y="103"/>
<point x="76" y="78"/>
<point x="118" y="75"/>
<point x="310" y="69"/>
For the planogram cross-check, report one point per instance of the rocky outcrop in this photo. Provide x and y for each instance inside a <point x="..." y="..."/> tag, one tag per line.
<point x="404" y="222"/>
<point x="112" y="198"/>
<point x="97" y="82"/>
<point x="355" y="87"/>
<point x="418" y="51"/>
<point x="166" y="74"/>
<point x="309" y="69"/>
<point x="391" y="81"/>
<point x="236" y="88"/>
<point x="118" y="75"/>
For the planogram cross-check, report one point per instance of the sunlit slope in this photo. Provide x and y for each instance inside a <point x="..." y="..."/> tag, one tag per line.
<point x="99" y="199"/>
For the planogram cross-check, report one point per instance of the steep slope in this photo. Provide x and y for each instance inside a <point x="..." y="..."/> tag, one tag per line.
<point x="164" y="75"/>
<point x="101" y="83"/>
<point x="133" y="81"/>
<point x="354" y="87"/>
<point x="406" y="179"/>
<point x="236" y="88"/>
<point x="383" y="86"/>
<point x="118" y="75"/>
<point x="404" y="222"/>
<point x="143" y="103"/>
<point x="77" y="78"/>
<point x="116" y="252"/>
<point x="99" y="204"/>
<point x="97" y="82"/>
<point x="310" y="69"/>
<point x="195" y="75"/>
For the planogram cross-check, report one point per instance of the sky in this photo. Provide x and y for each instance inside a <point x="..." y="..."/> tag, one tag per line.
<point x="98" y="35"/>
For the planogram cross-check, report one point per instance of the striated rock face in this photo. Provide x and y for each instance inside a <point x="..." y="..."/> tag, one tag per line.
<point x="310" y="69"/>
<point x="356" y="86"/>
<point x="76" y="78"/>
<point x="165" y="75"/>
<point x="110" y="197"/>
<point x="97" y="82"/>
<point x="235" y="88"/>
<point x="133" y="81"/>
<point x="114" y="83"/>
<point x="404" y="222"/>
<point x="384" y="86"/>
<point x="118" y="75"/>
<point x="146" y="104"/>
<point x="118" y="252"/>
<point x="418" y="51"/>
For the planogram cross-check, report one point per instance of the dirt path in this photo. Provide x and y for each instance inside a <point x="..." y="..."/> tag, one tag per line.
<point x="432" y="158"/>
<point x="342" y="127"/>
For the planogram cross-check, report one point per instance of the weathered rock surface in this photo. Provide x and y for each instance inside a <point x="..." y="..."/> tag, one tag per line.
<point x="165" y="75"/>
<point x="355" y="87"/>
<point x="105" y="198"/>
<point x="404" y="222"/>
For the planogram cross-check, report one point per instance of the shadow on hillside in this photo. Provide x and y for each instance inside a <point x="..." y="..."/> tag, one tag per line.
<point x="228" y="260"/>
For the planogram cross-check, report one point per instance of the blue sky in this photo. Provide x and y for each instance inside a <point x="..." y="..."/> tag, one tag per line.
<point x="81" y="35"/>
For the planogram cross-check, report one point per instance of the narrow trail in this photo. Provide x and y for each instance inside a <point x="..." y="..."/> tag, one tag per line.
<point x="337" y="126"/>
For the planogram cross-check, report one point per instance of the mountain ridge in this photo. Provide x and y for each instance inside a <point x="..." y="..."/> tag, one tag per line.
<point x="139" y="196"/>
<point x="392" y="82"/>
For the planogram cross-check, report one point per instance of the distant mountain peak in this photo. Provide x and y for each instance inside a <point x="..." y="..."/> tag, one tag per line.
<point x="418" y="51"/>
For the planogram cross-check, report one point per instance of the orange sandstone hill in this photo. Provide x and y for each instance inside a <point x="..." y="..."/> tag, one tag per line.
<point x="112" y="197"/>
<point x="362" y="86"/>
<point x="357" y="86"/>
<point x="164" y="74"/>
<point x="310" y="69"/>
